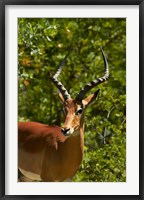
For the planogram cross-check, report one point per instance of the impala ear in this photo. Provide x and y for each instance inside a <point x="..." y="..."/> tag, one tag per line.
<point x="61" y="98"/>
<point x="89" y="100"/>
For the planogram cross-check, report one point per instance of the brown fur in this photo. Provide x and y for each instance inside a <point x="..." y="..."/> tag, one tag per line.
<point x="44" y="150"/>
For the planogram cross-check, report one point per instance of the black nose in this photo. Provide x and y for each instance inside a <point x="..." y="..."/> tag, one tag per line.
<point x="65" y="130"/>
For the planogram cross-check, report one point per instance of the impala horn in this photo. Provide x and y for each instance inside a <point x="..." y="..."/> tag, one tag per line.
<point x="57" y="83"/>
<point x="96" y="82"/>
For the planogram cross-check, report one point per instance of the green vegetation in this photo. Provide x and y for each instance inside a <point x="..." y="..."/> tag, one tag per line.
<point x="42" y="45"/>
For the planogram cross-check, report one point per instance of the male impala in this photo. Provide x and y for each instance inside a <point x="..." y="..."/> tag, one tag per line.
<point x="53" y="153"/>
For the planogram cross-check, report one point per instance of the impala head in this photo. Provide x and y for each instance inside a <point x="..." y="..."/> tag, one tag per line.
<point x="74" y="108"/>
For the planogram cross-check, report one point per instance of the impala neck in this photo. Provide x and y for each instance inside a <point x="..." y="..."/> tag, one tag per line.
<point x="78" y="136"/>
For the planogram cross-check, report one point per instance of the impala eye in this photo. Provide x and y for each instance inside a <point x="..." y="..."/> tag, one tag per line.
<point x="79" y="111"/>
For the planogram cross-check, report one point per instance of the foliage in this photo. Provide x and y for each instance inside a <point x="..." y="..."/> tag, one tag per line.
<point x="42" y="45"/>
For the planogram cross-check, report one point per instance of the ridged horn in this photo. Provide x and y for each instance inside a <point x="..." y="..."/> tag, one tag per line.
<point x="57" y="83"/>
<point x="96" y="82"/>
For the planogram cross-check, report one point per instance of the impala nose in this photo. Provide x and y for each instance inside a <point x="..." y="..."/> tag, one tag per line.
<point x="65" y="131"/>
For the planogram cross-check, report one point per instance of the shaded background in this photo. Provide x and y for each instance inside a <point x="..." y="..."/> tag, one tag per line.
<point x="42" y="45"/>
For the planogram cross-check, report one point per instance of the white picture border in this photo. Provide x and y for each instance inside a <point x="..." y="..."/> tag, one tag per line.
<point x="131" y="186"/>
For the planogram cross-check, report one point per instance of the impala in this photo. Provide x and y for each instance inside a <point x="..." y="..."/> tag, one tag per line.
<point x="53" y="153"/>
